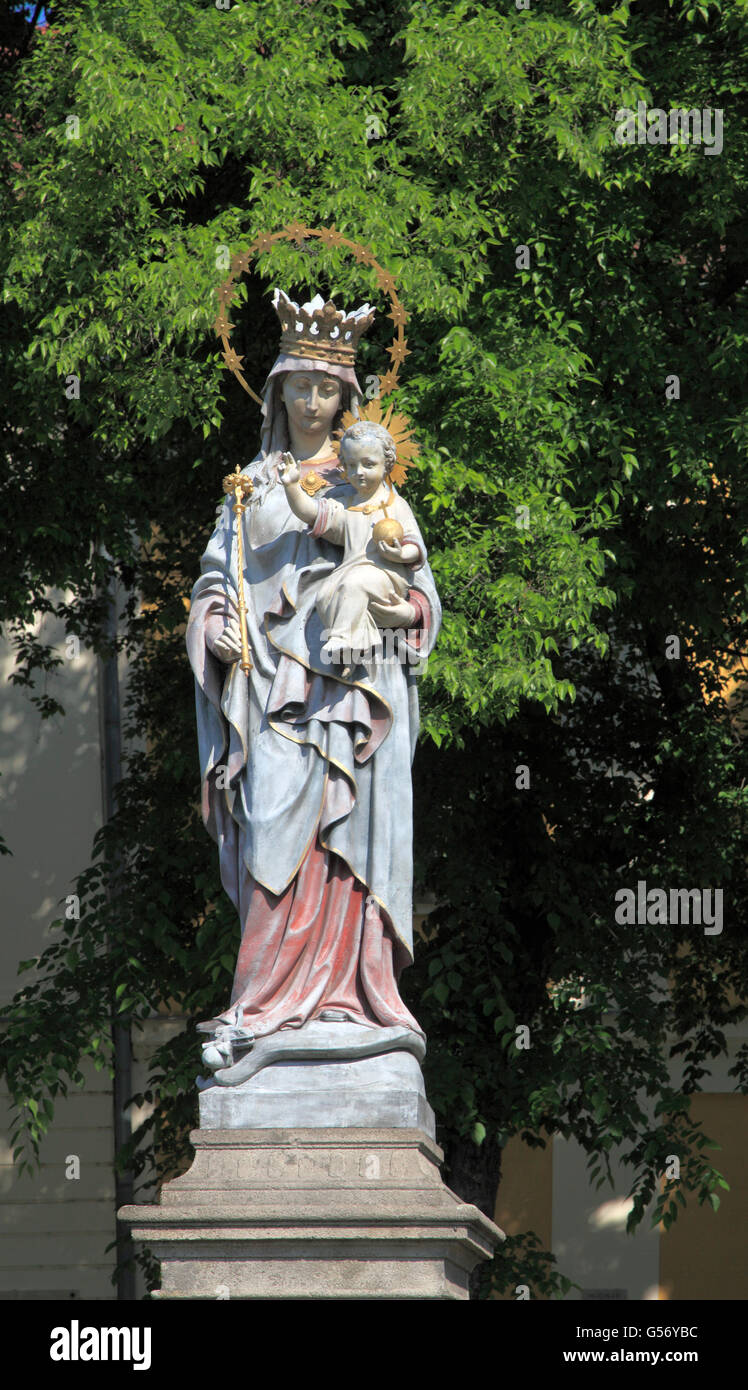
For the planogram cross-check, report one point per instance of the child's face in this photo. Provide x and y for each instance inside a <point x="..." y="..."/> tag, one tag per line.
<point x="364" y="464"/>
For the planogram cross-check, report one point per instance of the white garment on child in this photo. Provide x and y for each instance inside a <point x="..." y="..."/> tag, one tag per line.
<point x="363" y="574"/>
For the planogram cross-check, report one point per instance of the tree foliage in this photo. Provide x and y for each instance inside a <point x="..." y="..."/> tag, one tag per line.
<point x="576" y="518"/>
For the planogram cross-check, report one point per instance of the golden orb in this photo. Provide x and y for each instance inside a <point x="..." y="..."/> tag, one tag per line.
<point x="388" y="530"/>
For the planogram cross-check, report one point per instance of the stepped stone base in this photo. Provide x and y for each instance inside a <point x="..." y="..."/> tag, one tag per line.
<point x="313" y="1214"/>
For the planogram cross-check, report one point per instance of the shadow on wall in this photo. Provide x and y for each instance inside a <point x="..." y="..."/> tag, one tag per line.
<point x="50" y="798"/>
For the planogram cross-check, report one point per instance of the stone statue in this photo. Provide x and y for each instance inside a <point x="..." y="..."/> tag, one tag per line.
<point x="305" y="758"/>
<point x="316" y="1171"/>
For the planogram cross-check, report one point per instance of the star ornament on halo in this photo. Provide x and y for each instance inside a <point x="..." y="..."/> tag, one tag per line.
<point x="396" y="424"/>
<point x="330" y="236"/>
<point x="398" y="352"/>
<point x="296" y="231"/>
<point x="232" y="359"/>
<point x="398" y="315"/>
<point x="385" y="281"/>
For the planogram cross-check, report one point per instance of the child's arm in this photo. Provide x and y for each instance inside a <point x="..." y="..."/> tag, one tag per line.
<point x="302" y="505"/>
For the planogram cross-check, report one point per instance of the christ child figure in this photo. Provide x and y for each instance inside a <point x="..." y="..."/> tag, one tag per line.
<point x="382" y="546"/>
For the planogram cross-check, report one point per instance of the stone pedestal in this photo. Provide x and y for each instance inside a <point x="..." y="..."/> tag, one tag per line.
<point x="379" y="1092"/>
<point x="313" y="1213"/>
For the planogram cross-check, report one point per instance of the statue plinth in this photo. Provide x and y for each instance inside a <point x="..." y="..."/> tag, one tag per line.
<point x="383" y="1091"/>
<point x="318" y="1213"/>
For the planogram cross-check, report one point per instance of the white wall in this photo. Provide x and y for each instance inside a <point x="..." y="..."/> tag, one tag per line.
<point x="53" y="1230"/>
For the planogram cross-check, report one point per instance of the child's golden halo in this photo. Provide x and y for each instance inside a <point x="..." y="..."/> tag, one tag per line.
<point x="396" y="424"/>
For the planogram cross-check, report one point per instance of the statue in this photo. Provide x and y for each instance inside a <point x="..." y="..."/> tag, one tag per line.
<point x="307" y="720"/>
<point x="316" y="1171"/>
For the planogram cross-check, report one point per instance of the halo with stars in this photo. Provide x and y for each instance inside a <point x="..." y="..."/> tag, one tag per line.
<point x="328" y="236"/>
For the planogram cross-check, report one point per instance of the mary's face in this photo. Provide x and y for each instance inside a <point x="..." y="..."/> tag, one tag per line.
<point x="312" y="400"/>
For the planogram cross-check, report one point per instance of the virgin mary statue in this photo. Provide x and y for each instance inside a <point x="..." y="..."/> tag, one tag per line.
<point x="305" y="765"/>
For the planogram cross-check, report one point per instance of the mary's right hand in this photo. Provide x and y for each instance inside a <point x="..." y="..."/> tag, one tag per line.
<point x="227" y="646"/>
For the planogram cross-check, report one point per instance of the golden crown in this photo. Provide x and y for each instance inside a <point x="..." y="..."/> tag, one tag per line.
<point x="318" y="329"/>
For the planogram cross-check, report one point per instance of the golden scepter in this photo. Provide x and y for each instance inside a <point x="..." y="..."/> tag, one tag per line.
<point x="241" y="487"/>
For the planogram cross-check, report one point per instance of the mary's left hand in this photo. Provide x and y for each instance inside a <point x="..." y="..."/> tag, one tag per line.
<point x="399" y="613"/>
